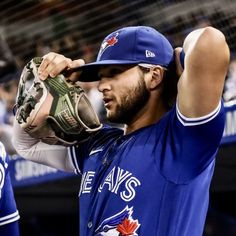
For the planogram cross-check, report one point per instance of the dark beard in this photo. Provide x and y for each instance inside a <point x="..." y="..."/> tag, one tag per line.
<point x="135" y="99"/>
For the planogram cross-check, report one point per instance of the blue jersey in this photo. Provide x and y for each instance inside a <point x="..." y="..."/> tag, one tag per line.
<point x="9" y="215"/>
<point x="153" y="181"/>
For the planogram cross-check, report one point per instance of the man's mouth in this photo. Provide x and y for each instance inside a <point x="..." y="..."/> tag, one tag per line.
<point x="107" y="102"/>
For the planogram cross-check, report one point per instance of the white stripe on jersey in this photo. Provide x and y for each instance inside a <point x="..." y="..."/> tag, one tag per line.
<point x="3" y="153"/>
<point x="185" y="121"/>
<point x="72" y="156"/>
<point x="9" y="218"/>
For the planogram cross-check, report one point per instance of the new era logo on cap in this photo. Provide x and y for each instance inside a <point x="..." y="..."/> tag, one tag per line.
<point x="150" y="54"/>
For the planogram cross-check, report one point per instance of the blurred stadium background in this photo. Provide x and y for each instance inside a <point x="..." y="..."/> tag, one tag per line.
<point x="30" y="28"/>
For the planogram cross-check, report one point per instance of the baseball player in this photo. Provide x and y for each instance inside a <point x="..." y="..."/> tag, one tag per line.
<point x="153" y="177"/>
<point x="9" y="214"/>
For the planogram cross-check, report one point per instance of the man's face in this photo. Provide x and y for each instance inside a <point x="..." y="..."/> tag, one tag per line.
<point x="124" y="92"/>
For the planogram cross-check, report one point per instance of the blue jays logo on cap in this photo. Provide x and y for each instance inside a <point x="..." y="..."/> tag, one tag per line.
<point x="108" y="42"/>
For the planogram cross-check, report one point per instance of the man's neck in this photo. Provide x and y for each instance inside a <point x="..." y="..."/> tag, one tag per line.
<point x="148" y="116"/>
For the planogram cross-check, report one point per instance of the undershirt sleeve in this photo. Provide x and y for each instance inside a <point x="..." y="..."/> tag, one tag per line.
<point x="55" y="156"/>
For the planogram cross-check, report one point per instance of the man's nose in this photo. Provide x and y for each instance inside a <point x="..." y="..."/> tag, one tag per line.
<point x="104" y="84"/>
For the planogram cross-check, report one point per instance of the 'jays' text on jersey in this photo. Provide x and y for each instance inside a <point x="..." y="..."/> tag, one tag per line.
<point x="9" y="214"/>
<point x="153" y="181"/>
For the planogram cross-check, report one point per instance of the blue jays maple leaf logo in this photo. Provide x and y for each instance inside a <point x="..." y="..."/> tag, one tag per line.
<point x="108" y="42"/>
<point x="127" y="227"/>
<point x="121" y="224"/>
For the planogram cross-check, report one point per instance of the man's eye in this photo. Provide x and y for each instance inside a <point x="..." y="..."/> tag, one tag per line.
<point x="111" y="72"/>
<point x="99" y="75"/>
<point x="115" y="71"/>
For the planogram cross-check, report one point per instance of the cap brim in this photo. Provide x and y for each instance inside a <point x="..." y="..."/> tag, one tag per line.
<point x="89" y="72"/>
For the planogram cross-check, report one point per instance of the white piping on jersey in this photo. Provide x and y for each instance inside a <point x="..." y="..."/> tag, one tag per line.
<point x="95" y="151"/>
<point x="9" y="218"/>
<point x="72" y="156"/>
<point x="3" y="153"/>
<point x="199" y="120"/>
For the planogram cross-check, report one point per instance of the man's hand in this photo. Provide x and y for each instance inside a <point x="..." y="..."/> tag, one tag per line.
<point x="179" y="68"/>
<point x="53" y="64"/>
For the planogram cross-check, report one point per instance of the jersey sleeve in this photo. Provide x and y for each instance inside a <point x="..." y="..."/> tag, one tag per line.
<point x="191" y="144"/>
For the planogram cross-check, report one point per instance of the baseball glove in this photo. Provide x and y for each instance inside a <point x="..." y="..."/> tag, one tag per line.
<point x="56" y="110"/>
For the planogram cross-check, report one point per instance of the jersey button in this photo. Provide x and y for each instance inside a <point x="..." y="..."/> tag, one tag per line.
<point x="90" y="224"/>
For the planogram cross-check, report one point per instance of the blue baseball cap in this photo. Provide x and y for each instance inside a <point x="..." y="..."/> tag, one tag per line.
<point x="131" y="45"/>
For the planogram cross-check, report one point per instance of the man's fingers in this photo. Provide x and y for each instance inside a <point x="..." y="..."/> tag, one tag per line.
<point x="44" y="68"/>
<point x="46" y="60"/>
<point x="77" y="63"/>
<point x="179" y="67"/>
<point x="74" y="75"/>
<point x="52" y="65"/>
<point x="57" y="66"/>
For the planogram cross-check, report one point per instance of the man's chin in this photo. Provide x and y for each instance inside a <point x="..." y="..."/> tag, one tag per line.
<point x="112" y="118"/>
<point x="117" y="119"/>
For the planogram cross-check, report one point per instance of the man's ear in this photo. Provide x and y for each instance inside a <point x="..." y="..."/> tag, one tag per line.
<point x="156" y="77"/>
